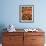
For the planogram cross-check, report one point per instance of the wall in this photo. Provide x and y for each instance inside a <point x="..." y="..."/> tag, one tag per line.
<point x="10" y="13"/>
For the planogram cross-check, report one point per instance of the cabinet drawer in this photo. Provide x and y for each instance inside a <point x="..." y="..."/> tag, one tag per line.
<point x="12" y="44"/>
<point x="12" y="39"/>
<point x="27" y="41"/>
<point x="34" y="33"/>
<point x="13" y="33"/>
<point x="37" y="44"/>
<point x="37" y="39"/>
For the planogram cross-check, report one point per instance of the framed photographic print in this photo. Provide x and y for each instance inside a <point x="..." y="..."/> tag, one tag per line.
<point x="26" y="13"/>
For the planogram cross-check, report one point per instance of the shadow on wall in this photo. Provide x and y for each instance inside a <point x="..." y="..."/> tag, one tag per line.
<point x="2" y="26"/>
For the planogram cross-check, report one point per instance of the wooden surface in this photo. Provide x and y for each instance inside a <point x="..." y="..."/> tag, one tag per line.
<point x="34" y="39"/>
<point x="23" y="39"/>
<point x="13" y="39"/>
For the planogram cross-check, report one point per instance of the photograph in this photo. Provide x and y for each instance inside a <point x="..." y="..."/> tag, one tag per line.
<point x="26" y="13"/>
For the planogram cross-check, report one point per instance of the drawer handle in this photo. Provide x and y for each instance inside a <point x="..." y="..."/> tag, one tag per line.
<point x="33" y="39"/>
<point x="11" y="38"/>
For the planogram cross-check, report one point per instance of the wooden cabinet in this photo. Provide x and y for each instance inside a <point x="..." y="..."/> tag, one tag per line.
<point x="13" y="39"/>
<point x="23" y="39"/>
<point x="34" y="39"/>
